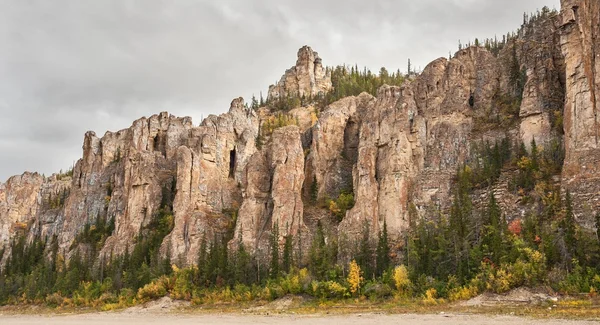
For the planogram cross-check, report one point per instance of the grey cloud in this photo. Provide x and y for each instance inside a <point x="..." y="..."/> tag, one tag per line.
<point x="67" y="66"/>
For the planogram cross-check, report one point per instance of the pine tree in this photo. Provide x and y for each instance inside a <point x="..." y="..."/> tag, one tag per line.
<point x="522" y="151"/>
<point x="254" y="104"/>
<point x="202" y="263"/>
<point x="287" y="254"/>
<point x="493" y="239"/>
<point x="460" y="224"/>
<point x="597" y="226"/>
<point x="274" y="268"/>
<point x="569" y="228"/>
<point x="243" y="271"/>
<point x="383" y="251"/>
<point x="365" y="254"/>
<point x="534" y="156"/>
<point x="317" y="264"/>
<point x="505" y="150"/>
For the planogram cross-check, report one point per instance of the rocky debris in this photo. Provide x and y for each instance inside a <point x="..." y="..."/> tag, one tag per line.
<point x="580" y="47"/>
<point x="513" y="297"/>
<point x="307" y="78"/>
<point x="161" y="305"/>
<point x="286" y="302"/>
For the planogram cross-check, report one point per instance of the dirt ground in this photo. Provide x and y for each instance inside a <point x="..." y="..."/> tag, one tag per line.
<point x="122" y="318"/>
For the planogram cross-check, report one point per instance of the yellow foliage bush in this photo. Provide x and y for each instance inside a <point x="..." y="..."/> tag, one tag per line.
<point x="430" y="297"/>
<point x="272" y="123"/>
<point x="291" y="283"/>
<point x="154" y="290"/>
<point x="355" y="278"/>
<point x="182" y="285"/>
<point x="305" y="278"/>
<point x="333" y="208"/>
<point x="500" y="282"/>
<point x="530" y="269"/>
<point x="329" y="289"/>
<point x="401" y="280"/>
<point x="462" y="293"/>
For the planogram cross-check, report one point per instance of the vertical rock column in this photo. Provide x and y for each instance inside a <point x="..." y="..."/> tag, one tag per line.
<point x="581" y="48"/>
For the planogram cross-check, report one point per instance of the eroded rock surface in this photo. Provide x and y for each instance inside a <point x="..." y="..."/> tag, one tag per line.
<point x="397" y="152"/>
<point x="581" y="49"/>
<point x="308" y="78"/>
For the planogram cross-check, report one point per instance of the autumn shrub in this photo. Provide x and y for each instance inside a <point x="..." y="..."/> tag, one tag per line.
<point x="273" y="290"/>
<point x="183" y="283"/>
<point x="355" y="278"/>
<point x="430" y="297"/>
<point x="328" y="290"/>
<point x="529" y="269"/>
<point x="55" y="299"/>
<point x="154" y="290"/>
<point x="580" y="279"/>
<point x="89" y="293"/>
<point x="291" y="283"/>
<point x="339" y="206"/>
<point x="462" y="293"/>
<point x="402" y="281"/>
<point x="498" y="280"/>
<point x="377" y="290"/>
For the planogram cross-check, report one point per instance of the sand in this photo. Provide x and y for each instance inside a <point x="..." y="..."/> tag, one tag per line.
<point x="121" y="318"/>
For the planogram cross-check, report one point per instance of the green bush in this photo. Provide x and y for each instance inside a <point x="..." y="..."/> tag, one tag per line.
<point x="154" y="290"/>
<point x="329" y="290"/>
<point x="343" y="203"/>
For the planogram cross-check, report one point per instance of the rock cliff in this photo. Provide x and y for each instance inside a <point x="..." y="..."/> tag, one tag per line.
<point x="397" y="151"/>
<point x="579" y="35"/>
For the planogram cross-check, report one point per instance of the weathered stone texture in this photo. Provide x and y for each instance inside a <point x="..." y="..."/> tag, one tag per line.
<point x="395" y="151"/>
<point x="308" y="78"/>
<point x="581" y="49"/>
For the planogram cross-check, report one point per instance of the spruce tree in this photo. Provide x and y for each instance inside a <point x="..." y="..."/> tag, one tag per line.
<point x="274" y="268"/>
<point x="493" y="238"/>
<point x="317" y="264"/>
<point x="534" y="156"/>
<point x="287" y="254"/>
<point x="568" y="227"/>
<point x="597" y="218"/>
<point x="460" y="224"/>
<point x="383" y="251"/>
<point x="254" y="104"/>
<point x="365" y="254"/>
<point x="202" y="272"/>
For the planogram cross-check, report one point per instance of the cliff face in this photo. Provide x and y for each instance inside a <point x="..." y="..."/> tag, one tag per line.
<point x="580" y="46"/>
<point x="397" y="152"/>
<point x="127" y="176"/>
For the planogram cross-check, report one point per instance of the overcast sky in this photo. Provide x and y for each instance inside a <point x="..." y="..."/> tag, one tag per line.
<point x="71" y="66"/>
